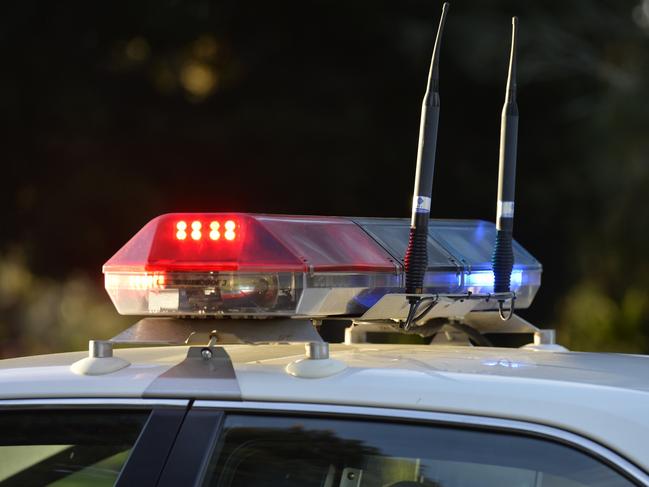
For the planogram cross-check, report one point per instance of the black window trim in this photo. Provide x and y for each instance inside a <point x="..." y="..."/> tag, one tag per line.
<point x="189" y="458"/>
<point x="573" y="440"/>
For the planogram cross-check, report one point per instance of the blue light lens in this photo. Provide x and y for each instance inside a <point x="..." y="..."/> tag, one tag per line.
<point x="485" y="279"/>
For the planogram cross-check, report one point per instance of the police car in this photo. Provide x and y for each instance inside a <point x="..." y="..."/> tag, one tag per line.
<point x="227" y="379"/>
<point x="254" y="396"/>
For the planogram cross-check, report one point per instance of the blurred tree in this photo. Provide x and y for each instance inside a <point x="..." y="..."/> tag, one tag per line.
<point x="39" y="315"/>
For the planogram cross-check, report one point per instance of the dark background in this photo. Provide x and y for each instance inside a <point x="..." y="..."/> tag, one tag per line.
<point x="114" y="112"/>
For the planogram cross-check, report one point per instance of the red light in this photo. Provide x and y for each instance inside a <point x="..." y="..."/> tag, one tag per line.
<point x="181" y="226"/>
<point x="214" y="233"/>
<point x="196" y="230"/>
<point x="229" y="230"/>
<point x="250" y="243"/>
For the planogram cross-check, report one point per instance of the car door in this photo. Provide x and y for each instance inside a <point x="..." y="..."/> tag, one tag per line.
<point x="292" y="445"/>
<point x="86" y="442"/>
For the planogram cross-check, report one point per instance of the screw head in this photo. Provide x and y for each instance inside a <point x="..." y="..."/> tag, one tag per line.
<point x="206" y="353"/>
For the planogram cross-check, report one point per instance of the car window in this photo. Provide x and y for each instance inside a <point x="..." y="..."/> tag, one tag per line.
<point x="66" y="448"/>
<point x="267" y="451"/>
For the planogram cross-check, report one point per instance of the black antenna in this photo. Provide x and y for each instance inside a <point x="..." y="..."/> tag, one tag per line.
<point x="503" y="256"/>
<point x="416" y="258"/>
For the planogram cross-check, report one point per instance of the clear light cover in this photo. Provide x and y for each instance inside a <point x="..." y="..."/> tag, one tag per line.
<point x="216" y="264"/>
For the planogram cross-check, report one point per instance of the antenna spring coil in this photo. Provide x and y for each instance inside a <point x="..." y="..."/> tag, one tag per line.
<point x="416" y="261"/>
<point x="503" y="261"/>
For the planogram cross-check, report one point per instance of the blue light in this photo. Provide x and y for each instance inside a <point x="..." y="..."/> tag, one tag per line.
<point x="484" y="279"/>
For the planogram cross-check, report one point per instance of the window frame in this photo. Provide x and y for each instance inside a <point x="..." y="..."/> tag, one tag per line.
<point x="186" y="430"/>
<point x="210" y="414"/>
<point x="150" y="451"/>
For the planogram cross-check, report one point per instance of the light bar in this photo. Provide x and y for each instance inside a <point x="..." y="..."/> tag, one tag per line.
<point x="218" y="264"/>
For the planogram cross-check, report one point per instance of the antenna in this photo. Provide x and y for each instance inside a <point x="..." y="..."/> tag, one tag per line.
<point x="503" y="256"/>
<point x="416" y="258"/>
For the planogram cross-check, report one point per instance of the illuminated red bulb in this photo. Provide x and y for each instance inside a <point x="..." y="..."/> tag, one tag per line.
<point x="181" y="226"/>
<point x="215" y="234"/>
<point x="196" y="230"/>
<point x="229" y="230"/>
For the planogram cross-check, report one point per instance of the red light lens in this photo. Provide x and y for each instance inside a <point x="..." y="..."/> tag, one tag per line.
<point x="250" y="243"/>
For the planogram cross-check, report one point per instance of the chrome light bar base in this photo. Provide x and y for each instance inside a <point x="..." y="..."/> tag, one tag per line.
<point x="457" y="306"/>
<point x="180" y="331"/>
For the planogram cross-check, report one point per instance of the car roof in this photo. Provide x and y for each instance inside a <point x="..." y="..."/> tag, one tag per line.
<point x="604" y="397"/>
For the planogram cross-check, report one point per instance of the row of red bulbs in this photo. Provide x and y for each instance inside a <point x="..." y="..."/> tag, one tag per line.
<point x="197" y="234"/>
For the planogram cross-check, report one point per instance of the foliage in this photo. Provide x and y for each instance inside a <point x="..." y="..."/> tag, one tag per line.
<point x="40" y="315"/>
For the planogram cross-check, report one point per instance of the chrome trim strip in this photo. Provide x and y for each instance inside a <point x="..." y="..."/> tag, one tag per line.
<point x="91" y="402"/>
<point x="531" y="429"/>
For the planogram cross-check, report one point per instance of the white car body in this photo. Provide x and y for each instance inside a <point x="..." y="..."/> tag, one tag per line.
<point x="602" y="399"/>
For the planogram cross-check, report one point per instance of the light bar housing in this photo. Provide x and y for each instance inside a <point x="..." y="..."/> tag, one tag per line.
<point x="182" y="264"/>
